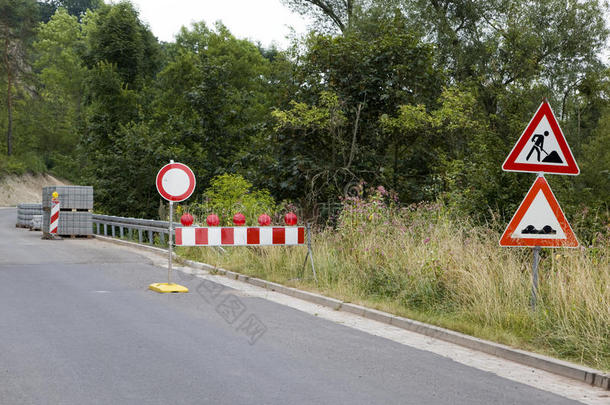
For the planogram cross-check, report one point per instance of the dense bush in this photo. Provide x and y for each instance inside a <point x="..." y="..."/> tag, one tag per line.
<point x="27" y="163"/>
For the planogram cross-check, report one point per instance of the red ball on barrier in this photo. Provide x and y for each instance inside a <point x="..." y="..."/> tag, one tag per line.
<point x="290" y="219"/>
<point x="186" y="219"/>
<point x="264" y="220"/>
<point x="239" y="219"/>
<point x="212" y="220"/>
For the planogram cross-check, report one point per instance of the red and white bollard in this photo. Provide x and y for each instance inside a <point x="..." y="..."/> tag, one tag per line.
<point x="54" y="222"/>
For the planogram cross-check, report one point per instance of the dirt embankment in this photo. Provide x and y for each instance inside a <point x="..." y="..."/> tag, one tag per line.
<point x="26" y="188"/>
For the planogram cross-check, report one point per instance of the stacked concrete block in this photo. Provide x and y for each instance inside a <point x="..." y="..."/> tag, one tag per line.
<point x="25" y="214"/>
<point x="71" y="197"/>
<point x="75" y="216"/>
<point x="75" y="223"/>
<point x="36" y="224"/>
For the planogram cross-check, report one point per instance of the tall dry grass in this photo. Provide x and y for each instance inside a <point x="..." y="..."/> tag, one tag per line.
<point x="420" y="262"/>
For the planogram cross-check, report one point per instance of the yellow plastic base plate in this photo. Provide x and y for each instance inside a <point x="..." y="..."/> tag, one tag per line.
<point x="168" y="288"/>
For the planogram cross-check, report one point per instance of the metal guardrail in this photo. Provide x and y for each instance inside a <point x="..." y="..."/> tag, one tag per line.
<point x="126" y="226"/>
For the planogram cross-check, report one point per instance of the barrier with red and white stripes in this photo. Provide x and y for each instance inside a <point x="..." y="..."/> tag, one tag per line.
<point x="240" y="236"/>
<point x="54" y="222"/>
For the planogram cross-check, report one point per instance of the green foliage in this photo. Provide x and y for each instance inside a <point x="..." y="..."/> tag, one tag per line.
<point x="322" y="133"/>
<point x="110" y="103"/>
<point x="370" y="73"/>
<point x="17" y="21"/>
<point x="426" y="98"/>
<point x="212" y="101"/>
<point x="499" y="43"/>
<point x="124" y="180"/>
<point x="20" y="164"/>
<point x="76" y="8"/>
<point x="450" y="148"/>
<point x="61" y="76"/>
<point x="115" y="35"/>
<point x="327" y="117"/>
<point x="229" y="194"/>
<point x="328" y="14"/>
<point x="596" y="164"/>
<point x="58" y="47"/>
<point x="120" y="151"/>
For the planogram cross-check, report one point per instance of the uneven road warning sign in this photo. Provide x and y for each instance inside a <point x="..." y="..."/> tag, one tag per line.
<point x="542" y="147"/>
<point x="539" y="221"/>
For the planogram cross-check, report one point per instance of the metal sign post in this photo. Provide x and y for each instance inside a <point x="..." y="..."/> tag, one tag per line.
<point x="170" y="243"/>
<point x="536" y="251"/>
<point x="309" y="252"/>
<point x="175" y="182"/>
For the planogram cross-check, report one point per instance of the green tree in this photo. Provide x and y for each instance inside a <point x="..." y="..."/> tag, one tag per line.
<point x="497" y="44"/>
<point x="213" y="100"/>
<point x="371" y="72"/>
<point x="444" y="152"/>
<point x="124" y="175"/>
<point x="122" y="56"/>
<point x="17" y="22"/>
<point x="114" y="34"/>
<point x="595" y="167"/>
<point x="61" y="74"/>
<point x="76" y="8"/>
<point x="337" y="14"/>
<point x="322" y="146"/>
<point x="343" y="15"/>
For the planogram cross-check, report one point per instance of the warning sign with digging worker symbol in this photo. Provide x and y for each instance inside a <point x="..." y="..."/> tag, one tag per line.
<point x="542" y="148"/>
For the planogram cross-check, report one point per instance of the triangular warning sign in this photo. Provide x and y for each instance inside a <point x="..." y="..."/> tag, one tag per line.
<point x="539" y="221"/>
<point x="542" y="147"/>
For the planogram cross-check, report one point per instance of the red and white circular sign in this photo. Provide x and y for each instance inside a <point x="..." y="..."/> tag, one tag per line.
<point x="175" y="182"/>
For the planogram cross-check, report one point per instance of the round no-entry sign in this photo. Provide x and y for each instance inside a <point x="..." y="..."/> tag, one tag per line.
<point x="175" y="182"/>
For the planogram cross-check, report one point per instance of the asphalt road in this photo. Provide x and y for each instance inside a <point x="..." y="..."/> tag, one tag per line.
<point x="78" y="326"/>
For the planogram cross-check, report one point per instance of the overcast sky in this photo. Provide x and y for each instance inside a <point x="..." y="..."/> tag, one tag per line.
<point x="267" y="21"/>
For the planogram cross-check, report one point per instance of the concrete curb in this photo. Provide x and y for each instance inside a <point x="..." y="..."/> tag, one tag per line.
<point x="552" y="365"/>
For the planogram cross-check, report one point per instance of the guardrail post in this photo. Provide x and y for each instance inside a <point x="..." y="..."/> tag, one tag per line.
<point x="140" y="236"/>
<point x="121" y="231"/>
<point x="150" y="238"/>
<point x="162" y="238"/>
<point x="105" y="229"/>
<point x="113" y="230"/>
<point x="97" y="227"/>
